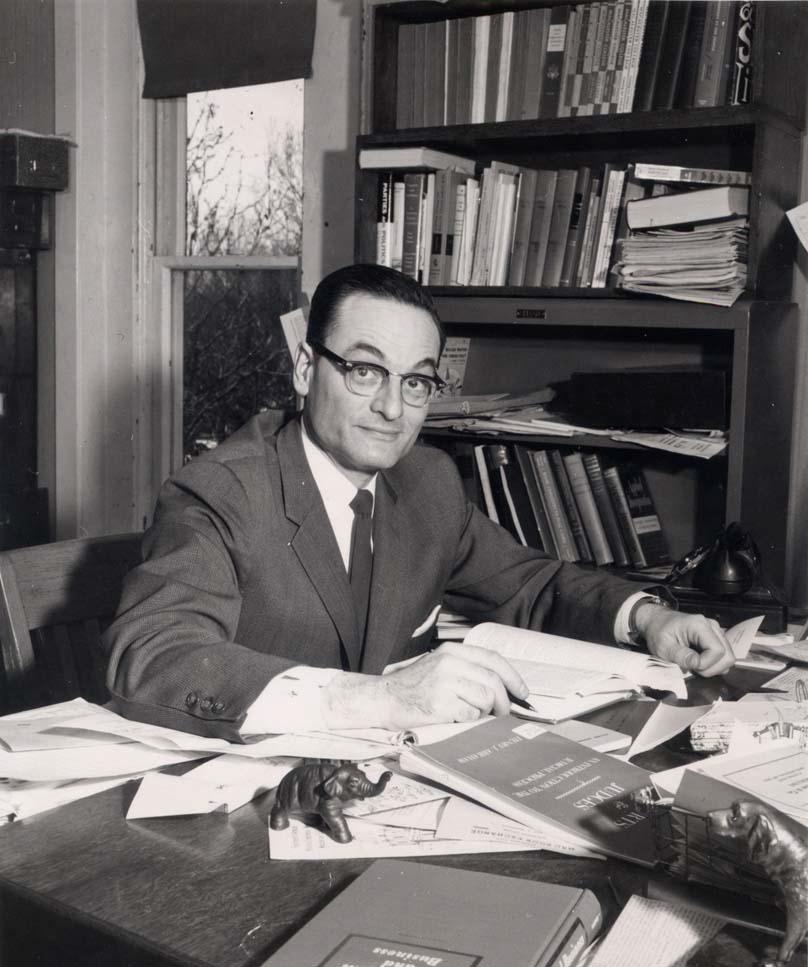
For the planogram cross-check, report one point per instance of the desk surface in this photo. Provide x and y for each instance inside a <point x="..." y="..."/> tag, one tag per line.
<point x="84" y="883"/>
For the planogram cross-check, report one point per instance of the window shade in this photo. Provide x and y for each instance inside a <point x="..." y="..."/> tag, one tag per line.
<point x="204" y="45"/>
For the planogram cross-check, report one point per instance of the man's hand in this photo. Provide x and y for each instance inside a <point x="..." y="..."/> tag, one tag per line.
<point x="454" y="683"/>
<point x="693" y="642"/>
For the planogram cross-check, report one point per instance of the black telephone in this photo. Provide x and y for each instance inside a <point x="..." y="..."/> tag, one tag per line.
<point x="729" y="565"/>
<point x="724" y="580"/>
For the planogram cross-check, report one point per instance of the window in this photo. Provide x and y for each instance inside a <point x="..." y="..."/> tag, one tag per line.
<point x="240" y="238"/>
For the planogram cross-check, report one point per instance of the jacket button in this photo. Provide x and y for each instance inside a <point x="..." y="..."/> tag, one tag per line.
<point x="191" y="699"/>
<point x="218" y="707"/>
<point x="206" y="703"/>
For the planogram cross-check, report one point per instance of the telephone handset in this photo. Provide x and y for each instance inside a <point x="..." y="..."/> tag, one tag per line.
<point x="729" y="566"/>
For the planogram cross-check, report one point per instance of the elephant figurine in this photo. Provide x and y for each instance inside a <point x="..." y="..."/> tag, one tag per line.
<point x="320" y="789"/>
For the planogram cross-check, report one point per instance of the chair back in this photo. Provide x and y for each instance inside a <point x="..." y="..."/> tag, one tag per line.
<point x="55" y="602"/>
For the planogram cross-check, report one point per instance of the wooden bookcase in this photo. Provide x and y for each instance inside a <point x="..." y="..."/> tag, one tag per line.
<point x="521" y="339"/>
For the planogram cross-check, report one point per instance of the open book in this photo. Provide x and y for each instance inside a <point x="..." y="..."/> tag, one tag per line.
<point x="568" y="677"/>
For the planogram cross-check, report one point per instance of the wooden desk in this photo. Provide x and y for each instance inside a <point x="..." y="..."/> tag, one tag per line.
<point x="81" y="885"/>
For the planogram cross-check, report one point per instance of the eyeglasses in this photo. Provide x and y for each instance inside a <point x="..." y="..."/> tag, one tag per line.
<point x="366" y="379"/>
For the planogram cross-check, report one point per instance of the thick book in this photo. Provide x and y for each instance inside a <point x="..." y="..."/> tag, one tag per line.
<point x="548" y="490"/>
<point x="713" y="71"/>
<point x="559" y="227"/>
<point x="520" y="501"/>
<point x="686" y="91"/>
<point x="547" y="541"/>
<point x="538" y="29"/>
<point x="384" y="220"/>
<point x="516" y="78"/>
<point x="413" y="159"/>
<point x="495" y="25"/>
<point x="594" y="471"/>
<point x="740" y="91"/>
<point x="631" y="62"/>
<point x="614" y="180"/>
<point x="400" y="912"/>
<point x="623" y="514"/>
<point x="554" y="61"/>
<point x="540" y="227"/>
<point x="570" y="507"/>
<point x="435" y="73"/>
<point x="644" y="516"/>
<point x="479" y="67"/>
<point x="463" y="70"/>
<point x="699" y="205"/>
<point x="575" y="232"/>
<point x="590" y="515"/>
<point x="646" y="171"/>
<point x="583" y="273"/>
<point x="525" y="202"/>
<point x="419" y="70"/>
<point x="672" y="56"/>
<point x="651" y="56"/>
<point x="414" y="188"/>
<point x="405" y="75"/>
<point x="538" y="778"/>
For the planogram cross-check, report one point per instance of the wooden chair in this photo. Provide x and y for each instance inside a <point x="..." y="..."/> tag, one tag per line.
<point x="55" y="602"/>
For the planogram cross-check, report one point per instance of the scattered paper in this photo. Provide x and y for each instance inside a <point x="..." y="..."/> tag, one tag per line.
<point x="793" y="682"/>
<point x="98" y="762"/>
<point x="655" y="932"/>
<point x="465" y="820"/>
<point x="301" y="842"/>
<point x="741" y="635"/>
<point x="746" y="725"/>
<point x="421" y="815"/>
<point x="665" y="722"/>
<point x="782" y="645"/>
<point x="20" y="799"/>
<point x="400" y="791"/>
<point x="222" y="785"/>
<point x="49" y="728"/>
<point x="692" y="446"/>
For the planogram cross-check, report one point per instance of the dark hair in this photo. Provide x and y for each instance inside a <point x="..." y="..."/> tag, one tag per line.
<point x="369" y="279"/>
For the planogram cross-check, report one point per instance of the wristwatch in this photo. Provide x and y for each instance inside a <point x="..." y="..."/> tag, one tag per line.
<point x="634" y="636"/>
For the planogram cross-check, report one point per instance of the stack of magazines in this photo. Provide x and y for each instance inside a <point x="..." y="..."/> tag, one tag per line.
<point x="703" y="262"/>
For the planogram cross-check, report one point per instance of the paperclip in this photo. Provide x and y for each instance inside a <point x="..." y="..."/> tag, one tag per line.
<point x="801" y="690"/>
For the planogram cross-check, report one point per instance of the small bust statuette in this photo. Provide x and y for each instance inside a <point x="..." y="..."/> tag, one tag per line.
<point x="319" y="789"/>
<point x="779" y="845"/>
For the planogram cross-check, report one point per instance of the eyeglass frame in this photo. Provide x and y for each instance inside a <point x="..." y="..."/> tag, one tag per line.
<point x="347" y="365"/>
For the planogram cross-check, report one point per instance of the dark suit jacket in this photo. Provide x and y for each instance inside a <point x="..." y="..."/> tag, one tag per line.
<point x="242" y="578"/>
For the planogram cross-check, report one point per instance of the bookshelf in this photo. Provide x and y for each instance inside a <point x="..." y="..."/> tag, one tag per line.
<point x="523" y="338"/>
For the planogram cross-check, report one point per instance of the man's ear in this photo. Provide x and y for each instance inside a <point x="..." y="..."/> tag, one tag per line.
<point x="303" y="369"/>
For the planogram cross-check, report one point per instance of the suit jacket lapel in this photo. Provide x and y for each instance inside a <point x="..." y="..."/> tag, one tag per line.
<point x="314" y="542"/>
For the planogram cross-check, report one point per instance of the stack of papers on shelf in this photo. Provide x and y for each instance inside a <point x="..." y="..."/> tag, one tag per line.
<point x="689" y="443"/>
<point x="699" y="263"/>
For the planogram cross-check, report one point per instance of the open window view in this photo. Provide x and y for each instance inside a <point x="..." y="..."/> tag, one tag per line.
<point x="244" y="154"/>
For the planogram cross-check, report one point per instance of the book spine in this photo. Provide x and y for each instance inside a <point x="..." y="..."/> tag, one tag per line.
<point x="645" y="519"/>
<point x="594" y="471"/>
<point x="554" y="61"/>
<point x="438" y="228"/>
<point x="623" y="514"/>
<point x="651" y="55"/>
<point x="559" y="226"/>
<point x="398" y="223"/>
<point x="686" y="91"/>
<point x="492" y="68"/>
<point x="405" y="75"/>
<point x="567" y="550"/>
<point x="540" y="227"/>
<point x="485" y="483"/>
<point x="496" y="456"/>
<point x="620" y="56"/>
<point x="469" y="237"/>
<point x="521" y="234"/>
<point x="573" y="60"/>
<point x="672" y="54"/>
<point x="633" y="52"/>
<point x="583" y="275"/>
<point x="384" y="220"/>
<point x="482" y="28"/>
<point x="570" y="507"/>
<point x="608" y="225"/>
<point x="450" y="78"/>
<point x="413" y="189"/>
<point x="711" y="81"/>
<point x="579" y="481"/>
<point x="456" y="203"/>
<point x="617" y="36"/>
<point x="580" y="206"/>
<point x="419" y="73"/>
<point x="464" y="71"/>
<point x="516" y="78"/>
<point x="505" y="66"/>
<point x="577" y="932"/>
<point x="741" y="82"/>
<point x="569" y="61"/>
<point x="435" y="73"/>
<point x="695" y="176"/>
<point x="548" y="544"/>
<point x="425" y="229"/>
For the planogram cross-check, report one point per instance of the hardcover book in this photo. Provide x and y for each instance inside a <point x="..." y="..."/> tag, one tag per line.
<point x="579" y="481"/>
<point x="538" y="778"/>
<point x="418" y="913"/>
<point x="608" y="517"/>
<point x="699" y="205"/>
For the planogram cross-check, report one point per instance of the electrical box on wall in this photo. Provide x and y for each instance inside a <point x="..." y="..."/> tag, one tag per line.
<point x="30" y="160"/>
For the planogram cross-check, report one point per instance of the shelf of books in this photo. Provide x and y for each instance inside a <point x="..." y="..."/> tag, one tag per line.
<point x="600" y="188"/>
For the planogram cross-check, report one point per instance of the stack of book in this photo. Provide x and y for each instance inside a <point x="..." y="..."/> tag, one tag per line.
<point x="571" y="505"/>
<point x="690" y="245"/>
<point x="516" y="226"/>
<point x="570" y="60"/>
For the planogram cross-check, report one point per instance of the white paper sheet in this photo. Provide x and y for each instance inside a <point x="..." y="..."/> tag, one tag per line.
<point x="665" y="722"/>
<point x="465" y="820"/>
<point x="655" y="932"/>
<point x="741" y="635"/>
<point x="421" y="815"/>
<point x="54" y="765"/>
<point x="221" y="785"/>
<point x="301" y="842"/>
<point x="49" y="728"/>
<point x="400" y="791"/>
<point x="20" y="799"/>
<point x="786" y="682"/>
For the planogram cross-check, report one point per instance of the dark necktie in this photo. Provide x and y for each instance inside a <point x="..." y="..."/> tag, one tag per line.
<point x="361" y="557"/>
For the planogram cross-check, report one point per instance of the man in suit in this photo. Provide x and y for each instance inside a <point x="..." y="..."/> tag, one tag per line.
<point x="250" y="612"/>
